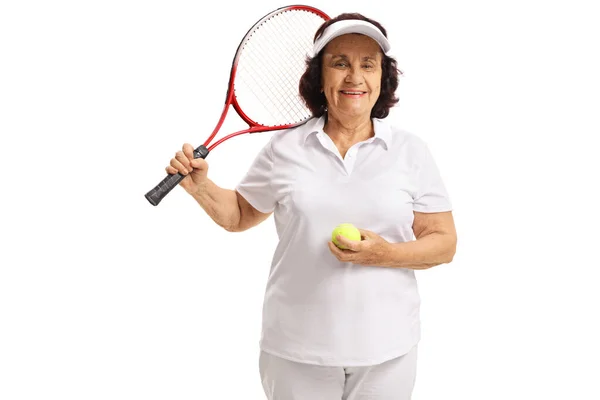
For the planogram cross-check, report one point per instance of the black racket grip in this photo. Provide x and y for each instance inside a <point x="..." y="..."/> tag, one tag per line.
<point x="166" y="185"/>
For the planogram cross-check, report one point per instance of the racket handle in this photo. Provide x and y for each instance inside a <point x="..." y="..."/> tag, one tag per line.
<point x="166" y="185"/>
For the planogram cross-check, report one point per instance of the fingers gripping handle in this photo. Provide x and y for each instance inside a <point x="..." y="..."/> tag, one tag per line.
<point x="166" y="185"/>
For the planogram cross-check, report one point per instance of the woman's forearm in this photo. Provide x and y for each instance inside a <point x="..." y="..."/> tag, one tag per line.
<point x="425" y="252"/>
<point x="220" y="204"/>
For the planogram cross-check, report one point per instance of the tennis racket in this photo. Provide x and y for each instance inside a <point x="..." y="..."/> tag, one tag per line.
<point x="264" y="80"/>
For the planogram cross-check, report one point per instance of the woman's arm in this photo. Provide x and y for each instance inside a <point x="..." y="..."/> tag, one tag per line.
<point x="435" y="243"/>
<point x="227" y="207"/>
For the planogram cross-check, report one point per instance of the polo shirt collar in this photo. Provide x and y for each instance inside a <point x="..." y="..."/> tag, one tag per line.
<point x="383" y="131"/>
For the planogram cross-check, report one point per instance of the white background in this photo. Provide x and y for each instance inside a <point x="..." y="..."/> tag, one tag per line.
<point x="103" y="296"/>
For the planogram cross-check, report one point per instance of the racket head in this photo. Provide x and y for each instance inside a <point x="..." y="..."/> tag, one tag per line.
<point x="268" y="65"/>
<point x="264" y="80"/>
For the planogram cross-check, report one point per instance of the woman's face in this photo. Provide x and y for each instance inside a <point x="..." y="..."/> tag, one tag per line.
<point x="351" y="75"/>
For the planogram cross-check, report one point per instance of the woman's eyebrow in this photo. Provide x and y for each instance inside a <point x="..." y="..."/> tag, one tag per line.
<point x="365" y="58"/>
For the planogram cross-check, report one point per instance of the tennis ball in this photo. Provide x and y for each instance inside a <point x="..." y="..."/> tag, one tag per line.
<point x="346" y="230"/>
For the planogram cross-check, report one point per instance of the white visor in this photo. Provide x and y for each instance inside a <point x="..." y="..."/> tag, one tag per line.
<point x="351" y="26"/>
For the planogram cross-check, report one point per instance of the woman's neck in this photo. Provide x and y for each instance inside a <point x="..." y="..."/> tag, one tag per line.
<point x="348" y="131"/>
<point x="344" y="134"/>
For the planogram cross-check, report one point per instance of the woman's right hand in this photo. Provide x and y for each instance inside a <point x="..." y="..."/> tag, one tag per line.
<point x="194" y="169"/>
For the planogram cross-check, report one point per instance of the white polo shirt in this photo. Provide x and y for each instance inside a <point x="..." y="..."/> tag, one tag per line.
<point x="318" y="310"/>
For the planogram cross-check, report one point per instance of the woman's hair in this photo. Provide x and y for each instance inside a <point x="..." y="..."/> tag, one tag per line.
<point x="310" y="82"/>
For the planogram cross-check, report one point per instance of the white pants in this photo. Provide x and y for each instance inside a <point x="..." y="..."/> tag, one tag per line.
<point x="288" y="380"/>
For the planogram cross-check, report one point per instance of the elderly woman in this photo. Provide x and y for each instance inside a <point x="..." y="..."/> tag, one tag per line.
<point x="340" y="323"/>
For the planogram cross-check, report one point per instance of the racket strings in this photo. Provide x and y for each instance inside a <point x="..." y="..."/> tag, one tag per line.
<point x="270" y="65"/>
<point x="278" y="95"/>
<point x="276" y="91"/>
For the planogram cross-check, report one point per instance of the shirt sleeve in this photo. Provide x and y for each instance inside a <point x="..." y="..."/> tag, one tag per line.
<point x="256" y="186"/>
<point x="431" y="194"/>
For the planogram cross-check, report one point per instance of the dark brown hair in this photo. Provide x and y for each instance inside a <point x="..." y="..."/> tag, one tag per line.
<point x="310" y="82"/>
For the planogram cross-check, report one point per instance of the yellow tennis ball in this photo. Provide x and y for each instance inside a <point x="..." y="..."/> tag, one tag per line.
<point x="346" y="230"/>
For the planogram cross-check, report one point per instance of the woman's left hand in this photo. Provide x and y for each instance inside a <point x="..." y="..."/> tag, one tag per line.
<point x="371" y="250"/>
